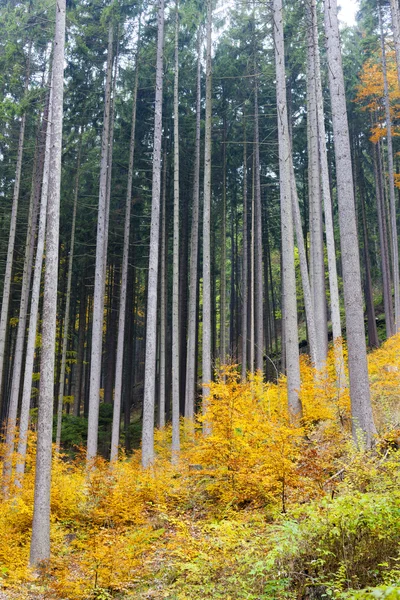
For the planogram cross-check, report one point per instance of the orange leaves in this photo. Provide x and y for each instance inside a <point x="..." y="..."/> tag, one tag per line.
<point x="370" y="93"/>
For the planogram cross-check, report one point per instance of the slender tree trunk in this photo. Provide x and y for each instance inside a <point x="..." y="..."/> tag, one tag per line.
<point x="394" y="9"/>
<point x="258" y="273"/>
<point x="383" y="243"/>
<point x="67" y="304"/>
<point x="191" y="363"/>
<point x="369" y="295"/>
<point x="245" y="262"/>
<point x="223" y="268"/>
<point x="175" y="274"/>
<point x="326" y="193"/>
<point x="78" y="387"/>
<point x="392" y="198"/>
<point x="206" y="353"/>
<point x="35" y="299"/>
<point x="358" y="371"/>
<point x="11" y="239"/>
<point x="99" y="281"/>
<point x="308" y="299"/>
<point x="124" y="275"/>
<point x="163" y="298"/>
<point x="252" y="276"/>
<point x="151" y="330"/>
<point x="40" y="541"/>
<point x="23" y="310"/>
<point x="315" y="203"/>
<point x="289" y="279"/>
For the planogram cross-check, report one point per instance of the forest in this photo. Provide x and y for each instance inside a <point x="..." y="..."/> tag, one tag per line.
<point x="200" y="300"/>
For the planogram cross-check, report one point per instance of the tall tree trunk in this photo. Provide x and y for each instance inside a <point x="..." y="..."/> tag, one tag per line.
<point x="163" y="298"/>
<point x="67" y="303"/>
<point x="315" y="203"/>
<point x="223" y="269"/>
<point x="40" y="541"/>
<point x="369" y="296"/>
<point x="395" y="13"/>
<point x="99" y="281"/>
<point x="383" y="243"/>
<point x="78" y="379"/>
<point x="245" y="260"/>
<point x="11" y="239"/>
<point x="252" y="276"/>
<point x="358" y="371"/>
<point x="305" y="279"/>
<point x="151" y="330"/>
<point x="206" y="352"/>
<point x="258" y="267"/>
<point x="288" y="275"/>
<point x="24" y="301"/>
<point x="326" y="193"/>
<point x="191" y="363"/>
<point x="175" y="274"/>
<point x="392" y="198"/>
<point x="35" y="299"/>
<point x="124" y="274"/>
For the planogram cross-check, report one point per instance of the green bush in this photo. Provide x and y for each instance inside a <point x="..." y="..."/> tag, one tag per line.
<point x="348" y="543"/>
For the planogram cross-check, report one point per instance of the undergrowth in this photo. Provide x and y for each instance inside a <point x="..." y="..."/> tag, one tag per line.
<point x="262" y="508"/>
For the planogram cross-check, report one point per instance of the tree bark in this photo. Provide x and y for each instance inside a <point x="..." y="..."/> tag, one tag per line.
<point x="245" y="260"/>
<point x="40" y="541"/>
<point x="175" y="273"/>
<point x="206" y="357"/>
<point x="383" y="244"/>
<point x="11" y="238"/>
<point x="315" y="203"/>
<point x="392" y="197"/>
<point x="35" y="299"/>
<point x="194" y="256"/>
<point x="288" y="275"/>
<point x="99" y="281"/>
<point x="358" y="371"/>
<point x="68" y="303"/>
<point x="258" y="267"/>
<point x="124" y="274"/>
<point x="151" y="329"/>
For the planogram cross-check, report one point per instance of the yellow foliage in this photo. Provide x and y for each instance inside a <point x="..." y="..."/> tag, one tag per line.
<point x="114" y="529"/>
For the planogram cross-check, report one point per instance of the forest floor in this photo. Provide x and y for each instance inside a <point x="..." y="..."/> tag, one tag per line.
<point x="262" y="508"/>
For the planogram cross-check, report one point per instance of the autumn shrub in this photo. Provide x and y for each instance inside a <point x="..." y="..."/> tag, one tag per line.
<point x="261" y="507"/>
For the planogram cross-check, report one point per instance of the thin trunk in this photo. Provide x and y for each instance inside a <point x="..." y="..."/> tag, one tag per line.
<point x="175" y="274"/>
<point x="124" y="275"/>
<point x="67" y="304"/>
<point x="305" y="279"/>
<point x="40" y="541"/>
<point x="258" y="267"/>
<point x="392" y="198"/>
<point x="78" y="388"/>
<point x="394" y="9"/>
<point x="315" y="203"/>
<point x="24" y="302"/>
<point x="222" y="324"/>
<point x="151" y="329"/>
<point x="252" y="277"/>
<point x="288" y="278"/>
<point x="194" y="255"/>
<point x="326" y="193"/>
<point x="206" y="356"/>
<point x="383" y="243"/>
<point x="358" y="370"/>
<point x="163" y="297"/>
<point x="11" y="239"/>
<point x="35" y="299"/>
<point x="99" y="280"/>
<point x="245" y="262"/>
